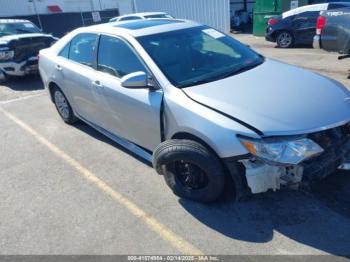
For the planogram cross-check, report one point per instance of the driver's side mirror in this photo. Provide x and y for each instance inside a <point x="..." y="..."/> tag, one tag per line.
<point x="135" y="80"/>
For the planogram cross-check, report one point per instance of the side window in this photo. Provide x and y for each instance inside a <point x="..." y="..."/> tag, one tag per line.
<point x="65" y="51"/>
<point x="116" y="57"/>
<point x="82" y="48"/>
<point x="130" y="18"/>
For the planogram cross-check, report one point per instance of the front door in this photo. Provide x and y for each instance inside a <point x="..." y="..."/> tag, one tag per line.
<point x="133" y="114"/>
<point x="304" y="27"/>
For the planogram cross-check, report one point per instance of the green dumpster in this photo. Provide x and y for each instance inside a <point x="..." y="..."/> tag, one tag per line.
<point x="265" y="9"/>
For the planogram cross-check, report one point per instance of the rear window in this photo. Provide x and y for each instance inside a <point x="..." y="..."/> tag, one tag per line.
<point x="82" y="48"/>
<point x="338" y="5"/>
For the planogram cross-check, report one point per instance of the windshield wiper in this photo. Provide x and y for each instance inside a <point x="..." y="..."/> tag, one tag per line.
<point x="216" y="78"/>
<point x="241" y="70"/>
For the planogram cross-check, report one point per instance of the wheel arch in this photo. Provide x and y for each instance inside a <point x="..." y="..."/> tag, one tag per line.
<point x="189" y="136"/>
<point x="232" y="168"/>
<point x="51" y="86"/>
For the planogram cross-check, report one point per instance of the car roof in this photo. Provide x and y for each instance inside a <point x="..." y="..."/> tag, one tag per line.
<point x="9" y="21"/>
<point x="141" y="14"/>
<point x="306" y="8"/>
<point x="142" y="27"/>
<point x="148" y="13"/>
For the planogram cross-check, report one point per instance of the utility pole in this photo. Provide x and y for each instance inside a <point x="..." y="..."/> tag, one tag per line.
<point x="37" y="14"/>
<point x="134" y="6"/>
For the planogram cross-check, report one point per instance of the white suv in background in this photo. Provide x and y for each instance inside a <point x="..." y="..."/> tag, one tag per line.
<point x="140" y="16"/>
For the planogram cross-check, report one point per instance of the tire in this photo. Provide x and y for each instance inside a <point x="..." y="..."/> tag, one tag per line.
<point x="285" y="39"/>
<point x="63" y="107"/>
<point x="3" y="77"/>
<point x="191" y="170"/>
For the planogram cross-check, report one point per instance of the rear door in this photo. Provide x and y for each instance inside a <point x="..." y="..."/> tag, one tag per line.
<point x="133" y="114"/>
<point x="75" y="70"/>
<point x="304" y="27"/>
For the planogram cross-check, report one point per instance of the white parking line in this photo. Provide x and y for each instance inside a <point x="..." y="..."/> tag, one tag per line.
<point x="175" y="240"/>
<point x="21" y="98"/>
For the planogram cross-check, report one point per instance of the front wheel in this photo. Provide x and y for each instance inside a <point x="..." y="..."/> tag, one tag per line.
<point x="190" y="169"/>
<point x="285" y="39"/>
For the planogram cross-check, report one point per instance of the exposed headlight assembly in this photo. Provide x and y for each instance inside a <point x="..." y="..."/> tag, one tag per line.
<point x="290" y="152"/>
<point x="7" y="54"/>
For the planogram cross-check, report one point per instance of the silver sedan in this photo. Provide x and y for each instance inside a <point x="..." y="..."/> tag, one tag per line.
<point x="205" y="109"/>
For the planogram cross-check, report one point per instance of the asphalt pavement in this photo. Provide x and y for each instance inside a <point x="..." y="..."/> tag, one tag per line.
<point x="70" y="190"/>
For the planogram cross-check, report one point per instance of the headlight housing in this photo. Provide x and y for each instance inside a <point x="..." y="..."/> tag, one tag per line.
<point x="6" y="55"/>
<point x="289" y="152"/>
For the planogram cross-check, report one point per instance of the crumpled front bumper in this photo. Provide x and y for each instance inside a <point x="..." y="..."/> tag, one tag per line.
<point x="27" y="67"/>
<point x="260" y="177"/>
<point x="336" y="145"/>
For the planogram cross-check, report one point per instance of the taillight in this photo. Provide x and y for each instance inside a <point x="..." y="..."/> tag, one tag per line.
<point x="272" y="21"/>
<point x="321" y="22"/>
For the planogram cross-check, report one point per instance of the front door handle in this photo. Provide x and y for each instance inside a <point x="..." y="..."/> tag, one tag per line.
<point x="58" y="68"/>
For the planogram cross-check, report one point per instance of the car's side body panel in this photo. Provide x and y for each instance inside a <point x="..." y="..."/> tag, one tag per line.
<point x="336" y="33"/>
<point x="182" y="114"/>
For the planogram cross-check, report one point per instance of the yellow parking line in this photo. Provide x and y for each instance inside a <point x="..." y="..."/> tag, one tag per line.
<point x="176" y="241"/>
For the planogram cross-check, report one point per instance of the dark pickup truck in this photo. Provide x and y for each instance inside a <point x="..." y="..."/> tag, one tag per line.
<point x="20" y="43"/>
<point x="333" y="31"/>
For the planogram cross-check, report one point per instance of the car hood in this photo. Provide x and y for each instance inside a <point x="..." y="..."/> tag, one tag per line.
<point x="9" y="38"/>
<point x="278" y="99"/>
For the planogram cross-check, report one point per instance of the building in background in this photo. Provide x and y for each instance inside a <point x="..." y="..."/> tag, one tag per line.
<point x="216" y="13"/>
<point x="225" y="15"/>
<point x="61" y="16"/>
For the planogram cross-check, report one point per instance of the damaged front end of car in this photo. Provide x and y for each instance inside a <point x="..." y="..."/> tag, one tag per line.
<point x="277" y="162"/>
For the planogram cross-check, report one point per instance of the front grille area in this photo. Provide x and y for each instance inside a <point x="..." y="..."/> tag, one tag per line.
<point x="29" y="47"/>
<point x="336" y="145"/>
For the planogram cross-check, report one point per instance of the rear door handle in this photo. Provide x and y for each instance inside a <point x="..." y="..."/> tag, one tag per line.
<point x="98" y="85"/>
<point x="58" y="68"/>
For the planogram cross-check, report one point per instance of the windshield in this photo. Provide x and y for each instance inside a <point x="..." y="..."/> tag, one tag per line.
<point x="198" y="55"/>
<point x="18" y="28"/>
<point x="158" y="16"/>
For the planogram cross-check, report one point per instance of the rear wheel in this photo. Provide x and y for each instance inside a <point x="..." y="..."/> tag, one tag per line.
<point x="190" y="169"/>
<point x="63" y="107"/>
<point x="3" y="77"/>
<point x="285" y="39"/>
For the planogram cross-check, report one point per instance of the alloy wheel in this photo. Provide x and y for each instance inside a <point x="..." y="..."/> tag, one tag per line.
<point x="62" y="105"/>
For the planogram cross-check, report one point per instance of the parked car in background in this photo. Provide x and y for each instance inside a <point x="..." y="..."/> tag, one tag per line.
<point x="297" y="26"/>
<point x="193" y="101"/>
<point x="20" y="43"/>
<point x="312" y="2"/>
<point x="333" y="31"/>
<point x="140" y="16"/>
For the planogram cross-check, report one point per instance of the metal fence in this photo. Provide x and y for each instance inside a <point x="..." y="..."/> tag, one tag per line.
<point x="61" y="23"/>
<point x="215" y="13"/>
